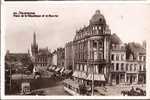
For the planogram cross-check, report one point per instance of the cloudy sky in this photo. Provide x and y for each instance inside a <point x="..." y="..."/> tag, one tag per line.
<point x="129" y="21"/>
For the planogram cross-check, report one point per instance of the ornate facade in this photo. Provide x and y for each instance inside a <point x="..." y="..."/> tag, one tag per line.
<point x="91" y="50"/>
<point x="128" y="62"/>
<point x="95" y="51"/>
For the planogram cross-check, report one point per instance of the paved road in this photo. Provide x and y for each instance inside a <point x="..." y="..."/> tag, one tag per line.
<point x="54" y="90"/>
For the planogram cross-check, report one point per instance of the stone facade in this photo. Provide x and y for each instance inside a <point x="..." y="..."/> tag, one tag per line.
<point x="128" y="63"/>
<point x="95" y="51"/>
<point x="90" y="51"/>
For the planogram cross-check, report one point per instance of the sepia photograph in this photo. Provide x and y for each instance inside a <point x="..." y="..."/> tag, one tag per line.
<point x="76" y="49"/>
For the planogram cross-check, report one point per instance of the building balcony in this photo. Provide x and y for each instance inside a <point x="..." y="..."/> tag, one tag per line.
<point x="96" y="61"/>
<point x="119" y="71"/>
<point x="118" y="48"/>
<point x="132" y="72"/>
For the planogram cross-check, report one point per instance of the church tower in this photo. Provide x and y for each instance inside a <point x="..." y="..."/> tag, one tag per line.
<point x="34" y="46"/>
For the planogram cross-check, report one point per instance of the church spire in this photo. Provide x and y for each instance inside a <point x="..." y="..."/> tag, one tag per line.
<point x="34" y="46"/>
<point x="34" y="39"/>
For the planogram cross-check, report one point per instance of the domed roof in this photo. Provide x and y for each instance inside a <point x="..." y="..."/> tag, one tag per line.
<point x="97" y="18"/>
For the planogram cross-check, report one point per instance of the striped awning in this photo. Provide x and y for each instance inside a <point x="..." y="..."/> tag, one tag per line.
<point x="53" y="68"/>
<point x="89" y="76"/>
<point x="80" y="74"/>
<point x="50" y="67"/>
<point x="97" y="77"/>
<point x="62" y="70"/>
<point x="57" y="69"/>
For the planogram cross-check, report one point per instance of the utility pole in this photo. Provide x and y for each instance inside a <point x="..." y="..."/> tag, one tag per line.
<point x="93" y="82"/>
<point x="10" y="76"/>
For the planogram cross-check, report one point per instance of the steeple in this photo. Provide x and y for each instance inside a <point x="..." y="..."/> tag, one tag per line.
<point x="34" y="46"/>
<point x="34" y="39"/>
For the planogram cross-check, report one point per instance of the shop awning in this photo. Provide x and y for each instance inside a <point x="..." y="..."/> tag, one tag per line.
<point x="62" y="70"/>
<point x="57" y="69"/>
<point x="53" y="68"/>
<point x="75" y="74"/>
<point x="97" y="77"/>
<point x="80" y="74"/>
<point x="50" y="67"/>
<point x="89" y="76"/>
<point x="67" y="71"/>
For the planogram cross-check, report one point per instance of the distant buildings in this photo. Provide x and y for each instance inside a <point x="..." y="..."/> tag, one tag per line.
<point x="18" y="62"/>
<point x="95" y="51"/>
<point x="128" y="64"/>
<point x="54" y="58"/>
<point x="59" y="57"/>
<point x="41" y="57"/>
<point x="69" y="57"/>
<point x="136" y="63"/>
<point x="118" y="60"/>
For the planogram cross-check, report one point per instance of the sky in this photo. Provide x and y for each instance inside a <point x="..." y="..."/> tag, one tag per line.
<point x="130" y="21"/>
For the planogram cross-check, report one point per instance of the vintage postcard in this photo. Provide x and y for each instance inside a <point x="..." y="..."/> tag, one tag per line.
<point x="75" y="50"/>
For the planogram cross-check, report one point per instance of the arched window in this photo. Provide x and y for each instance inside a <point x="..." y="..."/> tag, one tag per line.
<point x="144" y="68"/>
<point x="140" y="68"/>
<point x="126" y="67"/>
<point x="122" y="66"/>
<point x="122" y="56"/>
<point x="135" y="67"/>
<point x="117" y="57"/>
<point x="112" y="57"/>
<point x="131" y="67"/>
<point x="112" y="68"/>
<point x="117" y="66"/>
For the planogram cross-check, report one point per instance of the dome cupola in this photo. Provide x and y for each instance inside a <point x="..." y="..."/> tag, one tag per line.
<point x="97" y="19"/>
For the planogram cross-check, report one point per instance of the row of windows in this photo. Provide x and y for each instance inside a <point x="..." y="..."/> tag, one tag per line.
<point x="94" y="30"/>
<point x="118" y="57"/>
<point x="97" y="44"/>
<point x="142" y="58"/>
<point x="117" y="47"/>
<point x="45" y="64"/>
<point x="97" y="69"/>
<point x="41" y="59"/>
<point x="81" y="55"/>
<point x="128" y="67"/>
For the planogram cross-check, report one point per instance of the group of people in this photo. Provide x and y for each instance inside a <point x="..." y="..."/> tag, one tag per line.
<point x="134" y="92"/>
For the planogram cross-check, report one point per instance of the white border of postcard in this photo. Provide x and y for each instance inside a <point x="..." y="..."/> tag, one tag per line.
<point x="3" y="96"/>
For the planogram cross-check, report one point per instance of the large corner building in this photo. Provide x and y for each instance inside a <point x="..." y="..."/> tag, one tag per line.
<point x="95" y="53"/>
<point x="88" y="53"/>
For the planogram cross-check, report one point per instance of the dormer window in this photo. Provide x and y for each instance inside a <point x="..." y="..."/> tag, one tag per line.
<point x="100" y="20"/>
